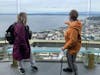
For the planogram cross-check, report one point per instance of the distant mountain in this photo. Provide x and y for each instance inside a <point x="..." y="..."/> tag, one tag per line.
<point x="54" y="13"/>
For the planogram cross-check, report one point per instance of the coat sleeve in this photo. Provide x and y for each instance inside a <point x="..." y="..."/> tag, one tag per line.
<point x="29" y="32"/>
<point x="72" y="39"/>
<point x="67" y="22"/>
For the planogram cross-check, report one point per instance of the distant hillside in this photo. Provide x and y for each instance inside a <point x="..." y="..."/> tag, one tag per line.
<point x="53" y="13"/>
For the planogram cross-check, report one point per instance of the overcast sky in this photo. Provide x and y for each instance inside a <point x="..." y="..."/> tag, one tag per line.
<point x="13" y="6"/>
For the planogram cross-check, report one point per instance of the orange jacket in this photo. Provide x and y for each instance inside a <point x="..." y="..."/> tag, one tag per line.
<point x="73" y="37"/>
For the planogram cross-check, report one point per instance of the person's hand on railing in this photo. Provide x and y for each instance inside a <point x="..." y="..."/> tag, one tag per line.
<point x="62" y="49"/>
<point x="61" y="54"/>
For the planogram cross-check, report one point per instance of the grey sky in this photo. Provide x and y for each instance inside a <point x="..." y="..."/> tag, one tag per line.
<point x="10" y="6"/>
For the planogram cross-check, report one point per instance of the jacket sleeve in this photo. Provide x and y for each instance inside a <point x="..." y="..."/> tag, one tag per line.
<point x="29" y="32"/>
<point x="72" y="39"/>
<point x="67" y="22"/>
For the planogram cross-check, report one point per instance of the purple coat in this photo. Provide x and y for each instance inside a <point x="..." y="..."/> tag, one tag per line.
<point x="21" y="47"/>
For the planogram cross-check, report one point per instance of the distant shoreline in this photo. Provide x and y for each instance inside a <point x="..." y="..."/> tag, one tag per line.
<point x="53" y="13"/>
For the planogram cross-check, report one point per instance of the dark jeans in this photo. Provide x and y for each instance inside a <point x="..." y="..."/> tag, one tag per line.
<point x="71" y="59"/>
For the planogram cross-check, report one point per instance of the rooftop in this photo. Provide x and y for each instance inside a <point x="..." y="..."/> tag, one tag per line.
<point x="97" y="18"/>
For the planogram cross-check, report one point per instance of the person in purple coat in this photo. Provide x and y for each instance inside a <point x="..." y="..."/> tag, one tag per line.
<point x="21" y="47"/>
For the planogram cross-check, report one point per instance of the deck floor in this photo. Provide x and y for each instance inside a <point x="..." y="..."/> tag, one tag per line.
<point x="47" y="68"/>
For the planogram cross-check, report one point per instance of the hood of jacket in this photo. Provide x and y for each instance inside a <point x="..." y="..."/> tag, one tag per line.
<point x="76" y="25"/>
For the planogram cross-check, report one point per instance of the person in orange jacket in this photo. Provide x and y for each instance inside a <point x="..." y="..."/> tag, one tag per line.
<point x="72" y="41"/>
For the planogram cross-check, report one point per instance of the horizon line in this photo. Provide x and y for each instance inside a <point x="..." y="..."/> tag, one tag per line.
<point x="51" y="13"/>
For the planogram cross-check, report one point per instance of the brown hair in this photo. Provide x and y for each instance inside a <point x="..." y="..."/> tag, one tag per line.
<point x="73" y="15"/>
<point x="22" y="18"/>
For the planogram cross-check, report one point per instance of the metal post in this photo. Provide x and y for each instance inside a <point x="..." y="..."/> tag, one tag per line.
<point x="14" y="62"/>
<point x="61" y="61"/>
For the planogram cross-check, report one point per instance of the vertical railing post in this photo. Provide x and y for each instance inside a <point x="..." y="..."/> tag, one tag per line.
<point x="14" y="62"/>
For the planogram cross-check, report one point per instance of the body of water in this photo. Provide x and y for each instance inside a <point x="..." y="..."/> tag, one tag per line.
<point x="37" y="23"/>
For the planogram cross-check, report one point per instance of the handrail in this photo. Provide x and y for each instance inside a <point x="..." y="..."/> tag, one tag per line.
<point x="57" y="43"/>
